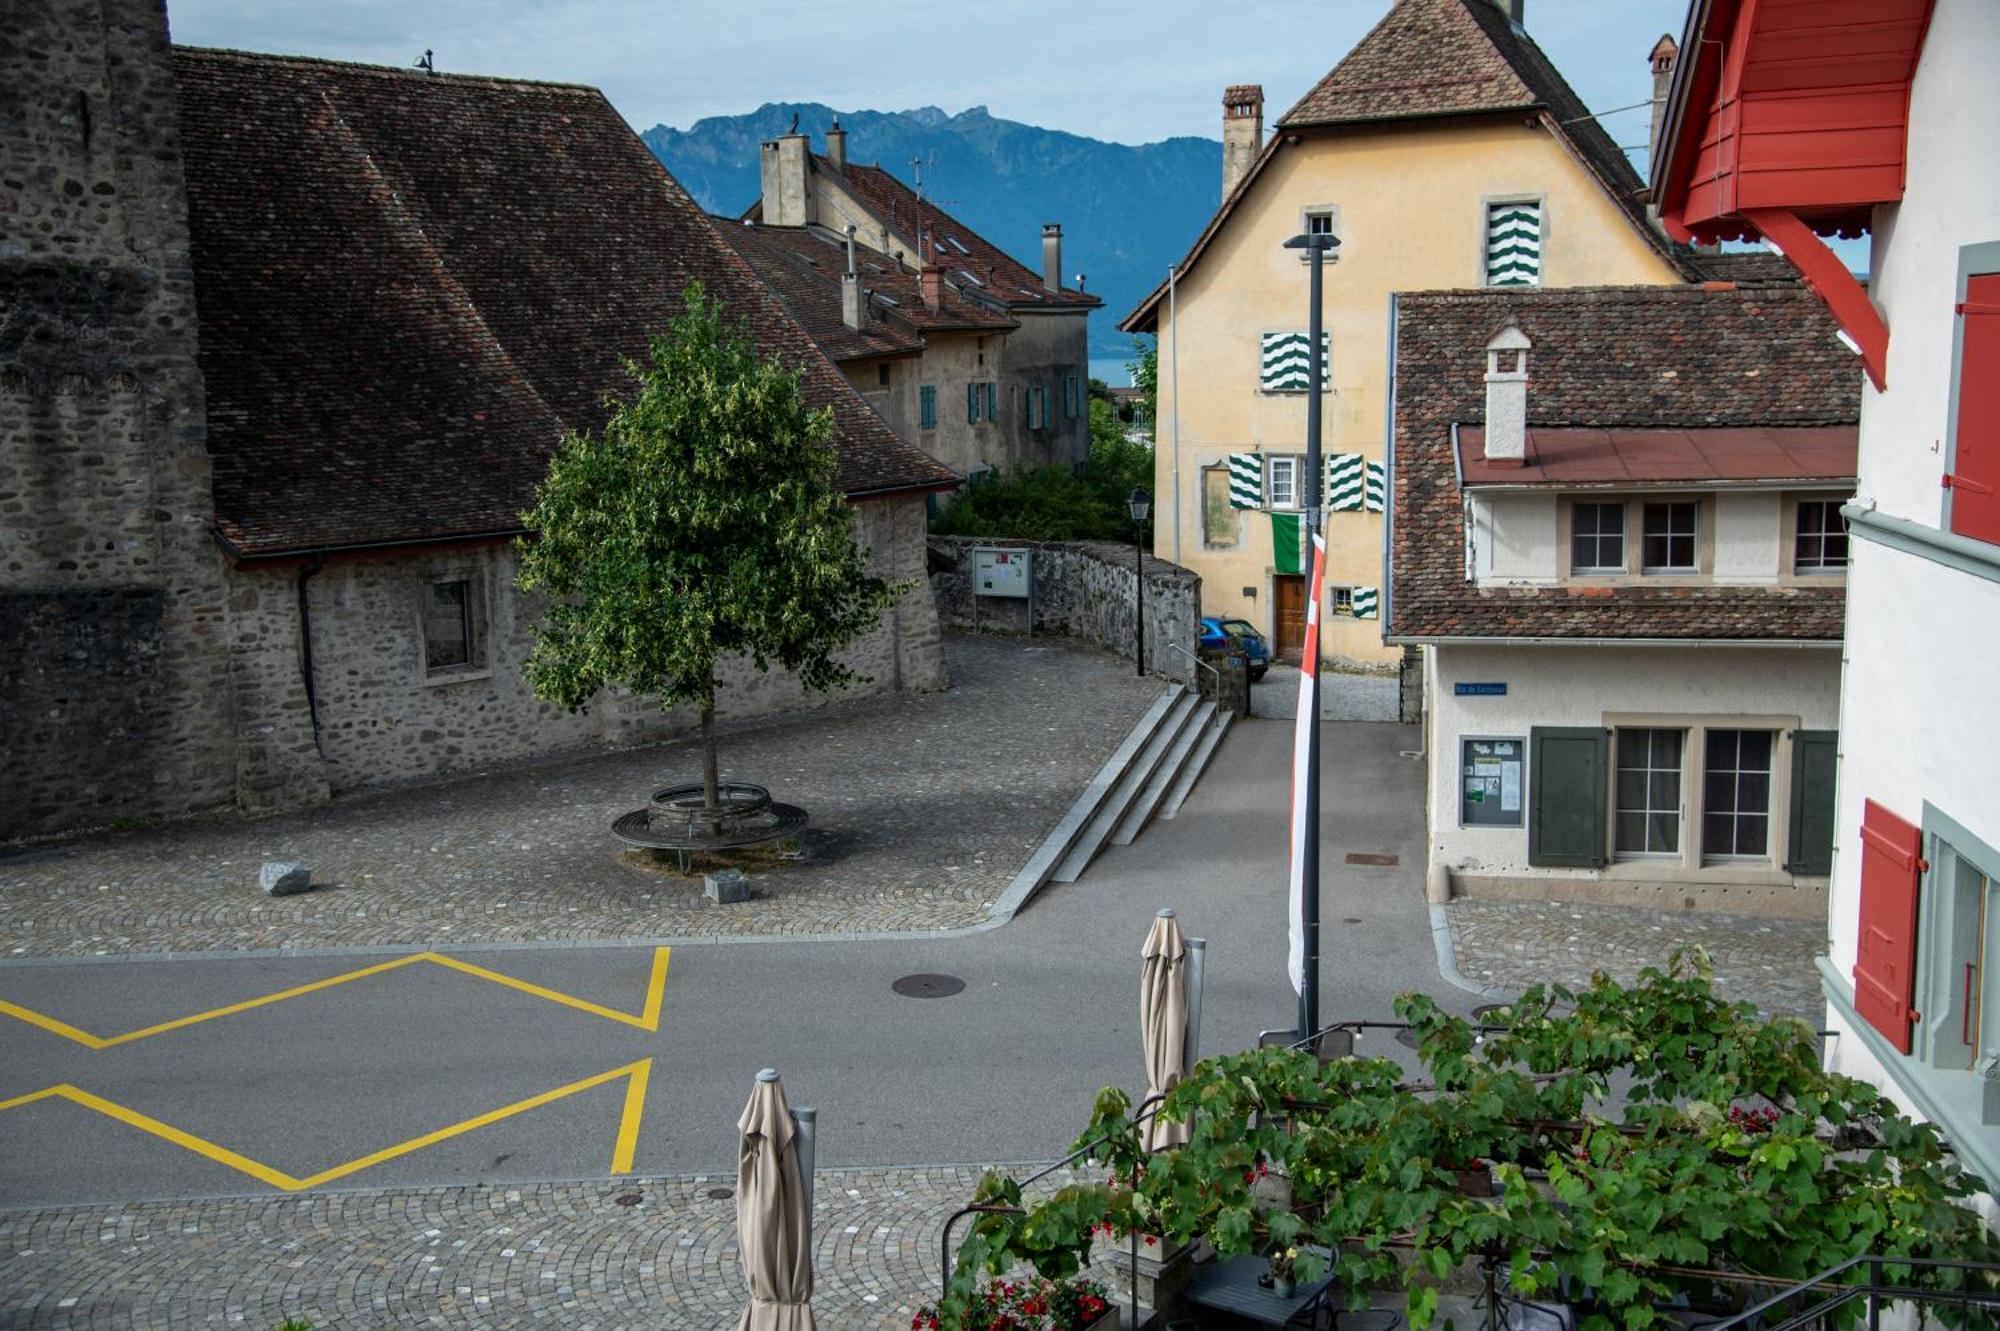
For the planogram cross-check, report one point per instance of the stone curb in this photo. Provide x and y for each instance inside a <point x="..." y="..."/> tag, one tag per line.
<point x="1447" y="960"/>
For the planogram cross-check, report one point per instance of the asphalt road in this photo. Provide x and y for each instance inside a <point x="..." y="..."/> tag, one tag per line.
<point x="520" y="1065"/>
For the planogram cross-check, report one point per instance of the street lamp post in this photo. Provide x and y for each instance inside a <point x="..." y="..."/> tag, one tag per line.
<point x="1141" y="504"/>
<point x="1317" y="245"/>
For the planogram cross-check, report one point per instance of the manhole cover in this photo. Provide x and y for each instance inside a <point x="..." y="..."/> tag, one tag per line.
<point x="1409" y="1038"/>
<point x="1369" y="857"/>
<point x="721" y="1194"/>
<point x="629" y="1199"/>
<point x="928" y="986"/>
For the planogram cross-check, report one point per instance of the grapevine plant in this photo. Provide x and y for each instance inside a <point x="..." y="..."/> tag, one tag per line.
<point x="1645" y="1143"/>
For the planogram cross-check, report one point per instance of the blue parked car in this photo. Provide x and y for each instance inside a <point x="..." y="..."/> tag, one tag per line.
<point x="1243" y="636"/>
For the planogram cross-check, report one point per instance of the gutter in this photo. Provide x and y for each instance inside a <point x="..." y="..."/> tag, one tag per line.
<point x="1387" y="609"/>
<point x="1458" y="640"/>
<point x="242" y="556"/>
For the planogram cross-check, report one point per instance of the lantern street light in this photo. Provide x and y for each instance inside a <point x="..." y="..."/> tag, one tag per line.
<point x="1141" y="505"/>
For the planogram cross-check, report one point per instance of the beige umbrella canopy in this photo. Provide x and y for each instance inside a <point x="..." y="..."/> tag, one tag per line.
<point x="773" y="1232"/>
<point x="1163" y="1020"/>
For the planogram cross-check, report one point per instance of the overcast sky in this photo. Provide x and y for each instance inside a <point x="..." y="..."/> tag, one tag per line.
<point x="1129" y="72"/>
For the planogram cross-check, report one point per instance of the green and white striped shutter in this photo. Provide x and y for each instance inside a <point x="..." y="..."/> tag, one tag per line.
<point x="1378" y="486"/>
<point x="1246" y="480"/>
<point x="1285" y="368"/>
<point x="1344" y="485"/>
<point x="1514" y="244"/>
<point x="1367" y="603"/>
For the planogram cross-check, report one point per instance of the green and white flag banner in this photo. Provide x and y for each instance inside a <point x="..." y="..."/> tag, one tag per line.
<point x="1288" y="543"/>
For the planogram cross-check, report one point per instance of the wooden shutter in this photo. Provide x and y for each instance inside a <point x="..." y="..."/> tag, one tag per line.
<point x="1344" y="482"/>
<point x="1378" y="486"/>
<point x="1566" y="776"/>
<point x="1514" y="244"/>
<point x="1283" y="363"/>
<point x="1810" y="847"/>
<point x="1246" y="480"/>
<point x="1974" y="478"/>
<point x="972" y="404"/>
<point x="1366" y="603"/>
<point x="1885" y="957"/>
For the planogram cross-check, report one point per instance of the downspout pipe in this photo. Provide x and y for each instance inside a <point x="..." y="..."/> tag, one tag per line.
<point x="307" y="573"/>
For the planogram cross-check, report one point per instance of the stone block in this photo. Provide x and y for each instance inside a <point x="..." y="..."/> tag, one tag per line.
<point x="284" y="878"/>
<point x="726" y="886"/>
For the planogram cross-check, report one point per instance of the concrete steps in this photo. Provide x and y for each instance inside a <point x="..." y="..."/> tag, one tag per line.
<point x="1197" y="763"/>
<point x="1097" y="832"/>
<point x="1172" y="765"/>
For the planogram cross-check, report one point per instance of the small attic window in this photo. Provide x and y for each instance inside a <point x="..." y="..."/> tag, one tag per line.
<point x="970" y="278"/>
<point x="886" y="300"/>
<point x="953" y="242"/>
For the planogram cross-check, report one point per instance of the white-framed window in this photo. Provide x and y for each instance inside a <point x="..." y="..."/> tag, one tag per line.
<point x="1819" y="542"/>
<point x="1339" y="599"/>
<point x="453" y="614"/>
<point x="1670" y="536"/>
<point x="1281" y="476"/>
<point x="1319" y="219"/>
<point x="1647" y="810"/>
<point x="1736" y="794"/>
<point x="1597" y="537"/>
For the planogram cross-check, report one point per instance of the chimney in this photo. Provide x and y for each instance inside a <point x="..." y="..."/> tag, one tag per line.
<point x="1515" y="10"/>
<point x="783" y="165"/>
<point x="851" y="302"/>
<point x="836" y="147"/>
<point x="930" y="281"/>
<point x="1242" y="131"/>
<point x="1665" y="52"/>
<point x="1052" y="256"/>
<point x="1507" y="397"/>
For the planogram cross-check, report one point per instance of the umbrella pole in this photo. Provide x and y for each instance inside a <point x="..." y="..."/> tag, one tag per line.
<point x="808" y="1149"/>
<point x="1197" y="965"/>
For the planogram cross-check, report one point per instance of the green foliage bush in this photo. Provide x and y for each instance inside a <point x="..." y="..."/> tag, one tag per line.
<point x="1057" y="503"/>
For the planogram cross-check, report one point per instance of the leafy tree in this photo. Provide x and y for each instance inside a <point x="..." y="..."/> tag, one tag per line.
<point x="1146" y="378"/>
<point x="703" y="521"/>
<point x="1060" y="503"/>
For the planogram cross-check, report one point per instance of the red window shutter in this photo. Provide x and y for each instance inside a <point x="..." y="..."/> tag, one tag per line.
<point x="1974" y="479"/>
<point x="1885" y="962"/>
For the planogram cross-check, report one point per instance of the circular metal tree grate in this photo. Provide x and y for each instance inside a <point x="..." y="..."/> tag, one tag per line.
<point x="677" y="819"/>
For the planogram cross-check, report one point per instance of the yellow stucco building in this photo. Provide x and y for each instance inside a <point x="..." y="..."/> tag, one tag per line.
<point x="1444" y="151"/>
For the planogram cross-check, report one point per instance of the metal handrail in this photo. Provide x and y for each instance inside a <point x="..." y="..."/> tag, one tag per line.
<point x="1200" y="665"/>
<point x="1874" y="1289"/>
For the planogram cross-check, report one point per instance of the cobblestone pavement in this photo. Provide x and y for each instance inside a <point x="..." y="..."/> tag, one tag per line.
<point x="923" y="808"/>
<point x="1343" y="696"/>
<point x="655" y="1253"/>
<point x="1512" y="944"/>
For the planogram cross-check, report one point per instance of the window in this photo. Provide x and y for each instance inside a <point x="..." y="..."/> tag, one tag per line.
<point x="1972" y="485"/>
<point x="1319" y="222"/>
<point x="927" y="407"/>
<point x="1514" y="244"/>
<point x="1282" y="475"/>
<point x="1736" y="794"/>
<point x="454" y="627"/>
<point x="1669" y="539"/>
<point x="1820" y="545"/>
<point x="882" y="375"/>
<point x="1959" y="990"/>
<point x="1597" y="538"/>
<point x="1221" y="528"/>
<point x="1648" y="785"/>
<point x="1339" y="600"/>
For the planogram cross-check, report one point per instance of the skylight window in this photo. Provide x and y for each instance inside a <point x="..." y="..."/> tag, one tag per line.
<point x="953" y="242"/>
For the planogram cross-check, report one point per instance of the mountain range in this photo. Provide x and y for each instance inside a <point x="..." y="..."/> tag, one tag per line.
<point x="1126" y="211"/>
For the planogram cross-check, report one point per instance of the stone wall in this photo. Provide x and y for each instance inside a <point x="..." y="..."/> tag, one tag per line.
<point x="115" y="700"/>
<point x="1083" y="589"/>
<point x="383" y="718"/>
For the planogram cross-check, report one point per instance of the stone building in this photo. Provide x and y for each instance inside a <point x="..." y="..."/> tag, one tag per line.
<point x="284" y="346"/>
<point x="999" y="374"/>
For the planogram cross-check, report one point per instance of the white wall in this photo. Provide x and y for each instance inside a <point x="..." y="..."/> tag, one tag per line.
<point x="1514" y="538"/>
<point x="1517" y="536"/>
<point x="1749" y="527"/>
<point x="1579" y="686"/>
<point x="1923" y="639"/>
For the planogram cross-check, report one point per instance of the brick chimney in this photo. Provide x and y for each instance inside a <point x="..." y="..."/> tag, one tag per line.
<point x="1665" y="52"/>
<point x="1052" y="256"/>
<point x="852" y="302"/>
<point x="1507" y="397"/>
<point x="1242" y="131"/>
<point x="836" y="146"/>
<point x="930" y="281"/>
<point x="783" y="167"/>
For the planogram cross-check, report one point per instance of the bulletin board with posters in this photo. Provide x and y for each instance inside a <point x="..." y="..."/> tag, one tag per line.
<point x="1492" y="781"/>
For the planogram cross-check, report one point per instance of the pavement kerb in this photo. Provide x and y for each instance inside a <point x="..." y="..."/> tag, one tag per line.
<point x="1447" y="960"/>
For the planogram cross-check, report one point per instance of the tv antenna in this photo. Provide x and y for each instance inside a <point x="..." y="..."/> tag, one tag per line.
<point x="425" y="63"/>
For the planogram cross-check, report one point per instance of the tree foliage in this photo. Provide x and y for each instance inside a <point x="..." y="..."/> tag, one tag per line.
<point x="1060" y="503"/>
<point x="703" y="521"/>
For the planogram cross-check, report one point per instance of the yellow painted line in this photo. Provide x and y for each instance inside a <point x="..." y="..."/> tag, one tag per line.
<point x="263" y="1173"/>
<point x="628" y="1122"/>
<point x="647" y="1019"/>
<point x="31" y="1097"/>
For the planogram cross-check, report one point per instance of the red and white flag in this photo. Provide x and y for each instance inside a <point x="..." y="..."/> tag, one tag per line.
<point x="1301" y="748"/>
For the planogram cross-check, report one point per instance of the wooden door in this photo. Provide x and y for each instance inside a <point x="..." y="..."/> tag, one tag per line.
<point x="1288" y="606"/>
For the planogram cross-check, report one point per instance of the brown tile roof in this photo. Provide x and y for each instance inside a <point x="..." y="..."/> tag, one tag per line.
<point x="410" y="286"/>
<point x="1438" y="59"/>
<point x="1624" y="456"/>
<point x="804" y="266"/>
<point x="1013" y="283"/>
<point x="1642" y="357"/>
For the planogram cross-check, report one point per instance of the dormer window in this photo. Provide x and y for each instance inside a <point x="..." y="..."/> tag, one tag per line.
<point x="1669" y="544"/>
<point x="1820" y="544"/>
<point x="1597" y="538"/>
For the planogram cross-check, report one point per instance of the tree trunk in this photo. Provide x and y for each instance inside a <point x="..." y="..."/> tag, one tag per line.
<point x="711" y="794"/>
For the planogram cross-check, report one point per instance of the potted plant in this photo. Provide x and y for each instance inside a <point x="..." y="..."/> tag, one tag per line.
<point x="1033" y="1304"/>
<point x="1284" y="1271"/>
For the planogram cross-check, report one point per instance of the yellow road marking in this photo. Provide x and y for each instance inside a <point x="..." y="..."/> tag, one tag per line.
<point x="647" y="1019"/>
<point x="628" y="1129"/>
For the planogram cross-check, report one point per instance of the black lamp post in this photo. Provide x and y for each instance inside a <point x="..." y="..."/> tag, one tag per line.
<point x="1141" y="504"/>
<point x="1319" y="246"/>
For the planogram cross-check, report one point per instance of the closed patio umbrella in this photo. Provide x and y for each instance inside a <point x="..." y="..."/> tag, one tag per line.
<point x="1163" y="1020"/>
<point x="773" y="1229"/>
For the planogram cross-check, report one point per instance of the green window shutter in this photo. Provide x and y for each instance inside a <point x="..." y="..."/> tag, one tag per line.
<point x="1367" y="603"/>
<point x="1378" y="487"/>
<point x="927" y="406"/>
<point x="1514" y="244"/>
<point x="1246" y="480"/>
<point x="972" y="404"/>
<point x="992" y="401"/>
<point x="1344" y="473"/>
<point x="1566" y="781"/>
<point x="1284" y="367"/>
<point x="1071" y="396"/>
<point x="1811" y="846"/>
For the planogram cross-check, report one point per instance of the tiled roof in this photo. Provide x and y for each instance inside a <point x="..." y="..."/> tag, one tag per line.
<point x="1011" y="282"/>
<point x="804" y="266"/>
<point x="1643" y="357"/>
<point x="1625" y="456"/>
<point x="1434" y="59"/>
<point x="410" y="286"/>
